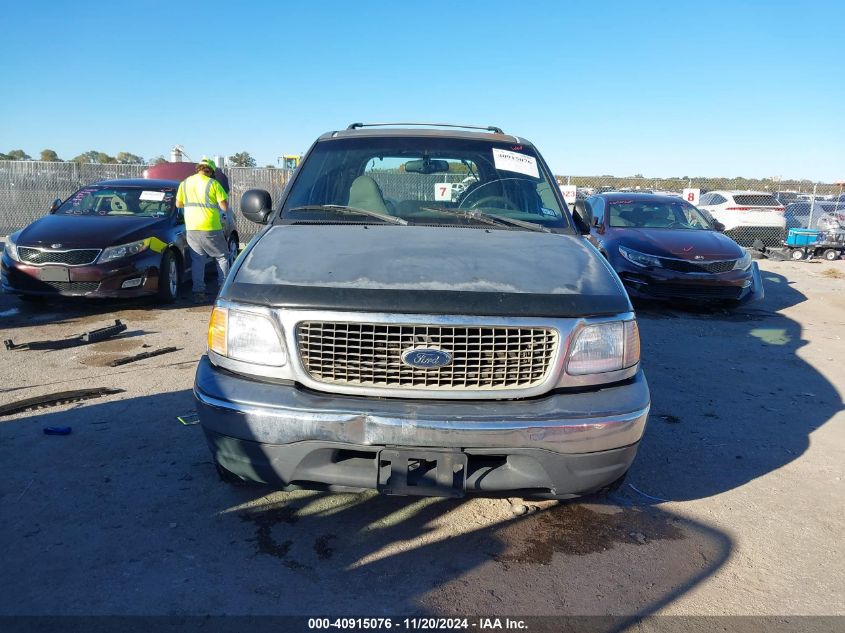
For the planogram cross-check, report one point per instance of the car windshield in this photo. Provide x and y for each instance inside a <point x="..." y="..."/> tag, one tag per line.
<point x="141" y="202"/>
<point x="425" y="180"/>
<point x="639" y="214"/>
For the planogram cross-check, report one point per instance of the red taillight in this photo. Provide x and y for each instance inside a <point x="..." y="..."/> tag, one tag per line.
<point x="738" y="208"/>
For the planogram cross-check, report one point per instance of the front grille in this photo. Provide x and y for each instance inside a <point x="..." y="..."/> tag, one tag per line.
<point x="21" y="281"/>
<point x="701" y="292"/>
<point x="370" y="355"/>
<point x="77" y="257"/>
<point x="685" y="266"/>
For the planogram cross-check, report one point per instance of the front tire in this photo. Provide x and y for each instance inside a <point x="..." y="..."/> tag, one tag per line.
<point x="797" y="254"/>
<point x="168" y="278"/>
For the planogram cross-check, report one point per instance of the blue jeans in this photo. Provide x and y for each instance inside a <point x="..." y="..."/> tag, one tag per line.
<point x="205" y="244"/>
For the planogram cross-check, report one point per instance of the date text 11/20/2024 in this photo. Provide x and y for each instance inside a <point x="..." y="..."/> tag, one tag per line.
<point x="417" y="624"/>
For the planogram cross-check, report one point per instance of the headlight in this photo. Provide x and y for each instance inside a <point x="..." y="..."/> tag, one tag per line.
<point x="604" y="347"/>
<point x="124" y="250"/>
<point x="245" y="336"/>
<point x="11" y="246"/>
<point x="743" y="262"/>
<point x="638" y="258"/>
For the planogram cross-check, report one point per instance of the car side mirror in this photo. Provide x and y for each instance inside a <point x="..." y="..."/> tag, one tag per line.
<point x="256" y="205"/>
<point x="180" y="215"/>
<point x="584" y="216"/>
<point x="56" y="204"/>
<point x="719" y="226"/>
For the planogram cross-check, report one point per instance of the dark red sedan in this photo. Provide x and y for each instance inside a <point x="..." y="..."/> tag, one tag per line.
<point x="664" y="248"/>
<point x="114" y="238"/>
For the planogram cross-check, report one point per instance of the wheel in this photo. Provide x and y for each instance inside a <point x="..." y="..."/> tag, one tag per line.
<point x="831" y="255"/>
<point x="797" y="254"/>
<point x="168" y="278"/>
<point x="228" y="477"/>
<point x="233" y="249"/>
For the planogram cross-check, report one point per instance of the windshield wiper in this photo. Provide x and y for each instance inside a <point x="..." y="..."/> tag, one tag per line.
<point x="488" y="218"/>
<point x="345" y="210"/>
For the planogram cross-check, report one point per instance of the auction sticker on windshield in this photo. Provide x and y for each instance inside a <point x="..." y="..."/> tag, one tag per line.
<point x="512" y="161"/>
<point x="152" y="196"/>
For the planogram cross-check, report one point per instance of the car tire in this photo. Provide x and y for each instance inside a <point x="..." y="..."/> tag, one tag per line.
<point x="168" y="278"/>
<point x="831" y="255"/>
<point x="797" y="254"/>
<point x="233" y="249"/>
<point x="228" y="477"/>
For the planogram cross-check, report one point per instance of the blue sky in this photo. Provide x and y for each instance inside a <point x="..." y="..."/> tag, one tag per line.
<point x="660" y="88"/>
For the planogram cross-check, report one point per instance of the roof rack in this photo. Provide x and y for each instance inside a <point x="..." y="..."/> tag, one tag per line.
<point x="489" y="128"/>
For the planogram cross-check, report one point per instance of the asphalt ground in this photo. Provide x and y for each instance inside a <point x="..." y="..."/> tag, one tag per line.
<point x="735" y="503"/>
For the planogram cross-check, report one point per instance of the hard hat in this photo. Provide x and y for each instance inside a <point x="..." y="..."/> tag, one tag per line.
<point x="207" y="162"/>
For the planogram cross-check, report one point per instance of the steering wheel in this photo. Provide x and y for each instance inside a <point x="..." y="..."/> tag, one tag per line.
<point x="499" y="202"/>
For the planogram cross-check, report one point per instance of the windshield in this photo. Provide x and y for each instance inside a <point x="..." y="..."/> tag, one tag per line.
<point x="657" y="215"/>
<point x="124" y="201"/>
<point x="424" y="180"/>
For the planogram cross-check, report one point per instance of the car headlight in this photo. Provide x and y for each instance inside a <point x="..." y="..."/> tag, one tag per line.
<point x="743" y="262"/>
<point x="124" y="250"/>
<point x="245" y="336"/>
<point x="603" y="347"/>
<point x="11" y="246"/>
<point x="638" y="258"/>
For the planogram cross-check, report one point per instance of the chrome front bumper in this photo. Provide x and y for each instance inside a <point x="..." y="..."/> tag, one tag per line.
<point x="592" y="420"/>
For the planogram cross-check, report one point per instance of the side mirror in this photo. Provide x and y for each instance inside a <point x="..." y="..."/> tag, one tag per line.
<point x="56" y="204"/>
<point x="180" y="215"/>
<point x="256" y="205"/>
<point x="719" y="226"/>
<point x="584" y="215"/>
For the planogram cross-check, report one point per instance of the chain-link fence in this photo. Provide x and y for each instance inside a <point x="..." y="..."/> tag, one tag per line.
<point x="27" y="188"/>
<point x="752" y="211"/>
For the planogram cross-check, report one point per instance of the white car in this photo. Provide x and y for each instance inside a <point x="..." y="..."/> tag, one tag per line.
<point x="748" y="216"/>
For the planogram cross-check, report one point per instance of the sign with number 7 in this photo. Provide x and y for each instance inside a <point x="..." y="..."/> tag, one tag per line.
<point x="443" y="191"/>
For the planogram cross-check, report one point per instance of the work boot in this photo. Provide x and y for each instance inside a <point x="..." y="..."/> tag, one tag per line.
<point x="199" y="297"/>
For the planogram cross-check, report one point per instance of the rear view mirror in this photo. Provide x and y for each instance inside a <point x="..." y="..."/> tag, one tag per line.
<point x="56" y="204"/>
<point x="256" y="205"/>
<point x="426" y="166"/>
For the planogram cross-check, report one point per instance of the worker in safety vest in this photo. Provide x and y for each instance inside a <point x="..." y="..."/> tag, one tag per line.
<point x="203" y="198"/>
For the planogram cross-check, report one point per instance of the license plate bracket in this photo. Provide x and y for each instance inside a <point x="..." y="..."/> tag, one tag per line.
<point x="422" y="472"/>
<point x="54" y="273"/>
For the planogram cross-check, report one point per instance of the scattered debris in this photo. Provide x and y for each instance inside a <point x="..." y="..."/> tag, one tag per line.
<point x="55" y="399"/>
<point x="637" y="490"/>
<point x="669" y="418"/>
<point x="189" y="418"/>
<point x="57" y="430"/>
<point x="832" y="273"/>
<point x="143" y="355"/>
<point x="85" y="338"/>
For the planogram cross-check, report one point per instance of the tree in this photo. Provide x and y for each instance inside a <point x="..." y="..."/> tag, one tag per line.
<point x="50" y="156"/>
<point x="18" y="154"/>
<point x="242" y="159"/>
<point x="93" y="156"/>
<point x="158" y="160"/>
<point x="125" y="158"/>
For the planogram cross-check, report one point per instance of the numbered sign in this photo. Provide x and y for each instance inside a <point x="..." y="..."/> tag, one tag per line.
<point x="443" y="191"/>
<point x="568" y="192"/>
<point x="692" y="195"/>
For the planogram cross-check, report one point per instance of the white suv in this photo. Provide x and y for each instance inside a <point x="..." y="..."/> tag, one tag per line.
<point x="747" y="215"/>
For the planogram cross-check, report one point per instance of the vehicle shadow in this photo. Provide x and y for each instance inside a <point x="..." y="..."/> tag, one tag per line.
<point x="732" y="399"/>
<point x="126" y="515"/>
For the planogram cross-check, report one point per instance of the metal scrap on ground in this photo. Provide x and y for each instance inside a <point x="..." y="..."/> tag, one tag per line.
<point x="54" y="399"/>
<point x="143" y="355"/>
<point x="85" y="338"/>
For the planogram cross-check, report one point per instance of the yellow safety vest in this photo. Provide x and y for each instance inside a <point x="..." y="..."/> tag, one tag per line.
<point x="201" y="195"/>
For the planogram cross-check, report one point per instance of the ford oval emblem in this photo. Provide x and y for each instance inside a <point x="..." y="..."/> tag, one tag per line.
<point x="426" y="358"/>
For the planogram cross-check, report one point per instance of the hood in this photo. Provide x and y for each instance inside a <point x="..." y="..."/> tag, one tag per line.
<point x="82" y="231"/>
<point x="682" y="244"/>
<point x="423" y="268"/>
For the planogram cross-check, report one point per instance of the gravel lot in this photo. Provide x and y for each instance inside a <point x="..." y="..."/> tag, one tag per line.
<point x="736" y="506"/>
